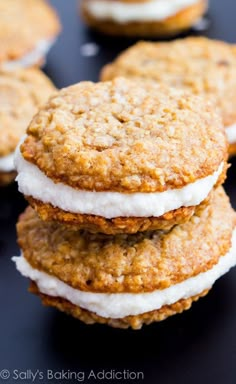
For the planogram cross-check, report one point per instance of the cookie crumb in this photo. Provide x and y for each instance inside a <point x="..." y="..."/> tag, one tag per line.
<point x="89" y="49"/>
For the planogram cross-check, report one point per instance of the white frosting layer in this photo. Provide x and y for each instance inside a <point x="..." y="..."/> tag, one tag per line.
<point x="119" y="305"/>
<point x="33" y="182"/>
<point x="30" y="59"/>
<point x="121" y="12"/>
<point x="7" y="163"/>
<point x="231" y="134"/>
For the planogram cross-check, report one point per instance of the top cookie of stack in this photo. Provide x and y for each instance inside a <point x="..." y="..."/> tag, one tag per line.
<point x="122" y="156"/>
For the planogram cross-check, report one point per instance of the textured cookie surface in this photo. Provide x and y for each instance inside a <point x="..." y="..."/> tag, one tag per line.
<point x="198" y="64"/>
<point x="129" y="263"/>
<point x="135" y="322"/>
<point x="21" y="94"/>
<point x="23" y="23"/>
<point x="170" y="26"/>
<point x="125" y="136"/>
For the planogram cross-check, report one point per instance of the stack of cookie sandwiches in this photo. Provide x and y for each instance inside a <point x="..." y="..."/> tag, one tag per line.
<point x="151" y="18"/>
<point x="124" y="181"/>
<point x="202" y="66"/>
<point x="28" y="29"/>
<point x="21" y="94"/>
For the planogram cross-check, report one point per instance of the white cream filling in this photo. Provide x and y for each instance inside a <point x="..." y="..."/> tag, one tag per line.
<point x="119" y="305"/>
<point x="33" y="182"/>
<point x="231" y="134"/>
<point x="121" y="12"/>
<point x="7" y="163"/>
<point x="31" y="58"/>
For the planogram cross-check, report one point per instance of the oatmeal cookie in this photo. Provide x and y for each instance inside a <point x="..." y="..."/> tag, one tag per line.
<point x="121" y="149"/>
<point x="135" y="322"/>
<point x="21" y="94"/>
<point x="27" y="30"/>
<point x="197" y="64"/>
<point x="150" y="18"/>
<point x="102" y="275"/>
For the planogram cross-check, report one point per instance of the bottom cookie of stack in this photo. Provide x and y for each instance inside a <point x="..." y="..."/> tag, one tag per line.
<point x="146" y="18"/>
<point x="128" y="280"/>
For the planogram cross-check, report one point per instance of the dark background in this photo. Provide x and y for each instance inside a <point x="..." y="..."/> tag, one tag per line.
<point x="198" y="346"/>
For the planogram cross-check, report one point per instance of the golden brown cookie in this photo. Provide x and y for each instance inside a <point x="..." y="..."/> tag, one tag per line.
<point x="134" y="322"/>
<point x="203" y="66"/>
<point x="115" y="19"/>
<point x="182" y="263"/>
<point x="21" y="94"/>
<point x="119" y="150"/>
<point x="27" y="30"/>
<point x="93" y="223"/>
<point x="117" y="225"/>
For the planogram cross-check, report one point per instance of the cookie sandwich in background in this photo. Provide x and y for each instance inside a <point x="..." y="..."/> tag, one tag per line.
<point x="21" y="94"/>
<point x="202" y="66"/>
<point x="28" y="29"/>
<point x="142" y="18"/>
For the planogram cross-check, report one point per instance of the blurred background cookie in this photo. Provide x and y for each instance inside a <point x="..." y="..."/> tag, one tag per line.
<point x="28" y="28"/>
<point x="203" y="66"/>
<point x="21" y="93"/>
<point x="121" y="156"/>
<point x="128" y="280"/>
<point x="148" y="18"/>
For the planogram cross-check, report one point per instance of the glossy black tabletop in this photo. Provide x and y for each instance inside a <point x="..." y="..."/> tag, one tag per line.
<point x="198" y="346"/>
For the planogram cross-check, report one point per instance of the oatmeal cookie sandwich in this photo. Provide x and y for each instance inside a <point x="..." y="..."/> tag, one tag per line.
<point x="203" y="66"/>
<point x="21" y="94"/>
<point x="128" y="280"/>
<point x="28" y="29"/>
<point x="150" y="18"/>
<point x="121" y="156"/>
